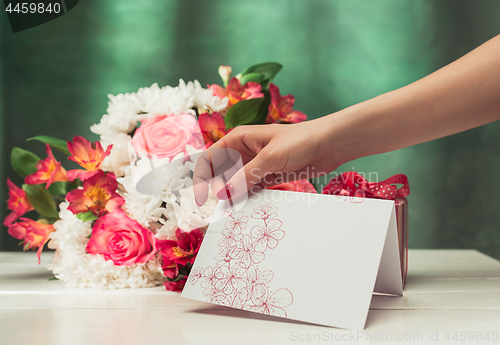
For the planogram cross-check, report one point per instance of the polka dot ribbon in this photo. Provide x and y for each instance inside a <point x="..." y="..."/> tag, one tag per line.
<point x="353" y="184"/>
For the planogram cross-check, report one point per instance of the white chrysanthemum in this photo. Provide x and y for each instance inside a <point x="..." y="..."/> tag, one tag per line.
<point x="140" y="206"/>
<point x="170" y="178"/>
<point x="118" y="159"/>
<point x="204" y="97"/>
<point x="184" y="212"/>
<point x="189" y="215"/>
<point x="166" y="100"/>
<point x="77" y="268"/>
<point x="181" y="210"/>
<point x="167" y="222"/>
<point x="120" y="118"/>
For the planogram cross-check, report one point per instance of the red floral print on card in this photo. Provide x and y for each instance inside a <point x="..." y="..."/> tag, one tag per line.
<point x="237" y="222"/>
<point x="236" y="280"/>
<point x="269" y="235"/>
<point x="274" y="304"/>
<point x="246" y="253"/>
<point x="265" y="212"/>
<point x="230" y="237"/>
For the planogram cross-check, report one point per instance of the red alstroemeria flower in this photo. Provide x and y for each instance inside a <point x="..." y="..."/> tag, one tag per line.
<point x="33" y="234"/>
<point x="175" y="286"/>
<point x="184" y="249"/>
<point x="18" y="203"/>
<point x="280" y="109"/>
<point x="48" y="171"/>
<point x="98" y="195"/>
<point x="212" y="127"/>
<point x="237" y="92"/>
<point x="170" y="268"/>
<point x="88" y="155"/>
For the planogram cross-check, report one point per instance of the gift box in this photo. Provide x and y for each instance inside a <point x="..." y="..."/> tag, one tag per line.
<point x="355" y="185"/>
<point x="402" y="224"/>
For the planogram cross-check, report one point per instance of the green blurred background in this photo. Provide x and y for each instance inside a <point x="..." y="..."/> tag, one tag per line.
<point x="55" y="78"/>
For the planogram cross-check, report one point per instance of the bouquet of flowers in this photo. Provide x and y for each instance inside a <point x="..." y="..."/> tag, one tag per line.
<point x="105" y="230"/>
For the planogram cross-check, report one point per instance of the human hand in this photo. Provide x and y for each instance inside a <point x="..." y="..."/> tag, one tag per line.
<point x="438" y="105"/>
<point x="271" y="154"/>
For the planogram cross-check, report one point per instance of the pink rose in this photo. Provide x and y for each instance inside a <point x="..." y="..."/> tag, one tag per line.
<point x="121" y="239"/>
<point x="167" y="136"/>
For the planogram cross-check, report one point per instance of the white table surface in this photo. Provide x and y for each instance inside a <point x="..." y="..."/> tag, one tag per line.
<point x="449" y="295"/>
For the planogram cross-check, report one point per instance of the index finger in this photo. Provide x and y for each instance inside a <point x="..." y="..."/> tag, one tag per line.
<point x="210" y="165"/>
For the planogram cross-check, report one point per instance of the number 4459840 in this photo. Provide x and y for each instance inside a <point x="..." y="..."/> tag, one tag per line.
<point x="471" y="336"/>
<point x="34" y="7"/>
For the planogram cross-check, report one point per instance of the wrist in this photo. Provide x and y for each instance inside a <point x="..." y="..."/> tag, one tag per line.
<point x="364" y="129"/>
<point x="339" y="137"/>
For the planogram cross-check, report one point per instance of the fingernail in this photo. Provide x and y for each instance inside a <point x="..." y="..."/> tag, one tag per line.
<point x="197" y="202"/>
<point x="226" y="192"/>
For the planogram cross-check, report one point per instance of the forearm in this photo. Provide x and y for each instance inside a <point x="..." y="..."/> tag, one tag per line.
<point x="458" y="97"/>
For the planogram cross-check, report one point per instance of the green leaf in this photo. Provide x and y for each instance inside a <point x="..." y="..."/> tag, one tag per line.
<point x="243" y="112"/>
<point x="255" y="77"/>
<point x="58" y="188"/>
<point x="263" y="109"/>
<point x="268" y="69"/>
<point x="41" y="200"/>
<point x="186" y="269"/>
<point x="86" y="216"/>
<point x="62" y="188"/>
<point x="56" y="144"/>
<point x="23" y="162"/>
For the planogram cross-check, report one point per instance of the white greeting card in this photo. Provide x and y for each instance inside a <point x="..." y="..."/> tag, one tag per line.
<point x="307" y="257"/>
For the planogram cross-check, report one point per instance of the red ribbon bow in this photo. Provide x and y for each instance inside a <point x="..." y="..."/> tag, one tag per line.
<point x="353" y="184"/>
